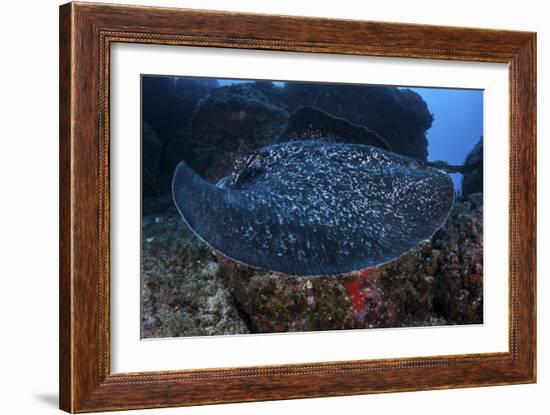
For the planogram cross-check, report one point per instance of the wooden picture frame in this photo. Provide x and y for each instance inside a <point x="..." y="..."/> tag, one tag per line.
<point x="86" y="33"/>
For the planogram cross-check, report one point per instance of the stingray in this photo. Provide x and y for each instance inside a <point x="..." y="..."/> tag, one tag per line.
<point x="314" y="208"/>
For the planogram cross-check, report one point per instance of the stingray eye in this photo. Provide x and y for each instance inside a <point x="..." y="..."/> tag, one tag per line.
<point x="249" y="173"/>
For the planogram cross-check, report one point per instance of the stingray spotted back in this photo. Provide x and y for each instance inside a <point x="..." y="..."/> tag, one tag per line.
<point x="316" y="208"/>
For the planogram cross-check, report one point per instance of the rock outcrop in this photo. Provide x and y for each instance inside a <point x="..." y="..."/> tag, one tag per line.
<point x="472" y="182"/>
<point x="232" y="120"/>
<point x="168" y="102"/>
<point x="151" y="148"/>
<point x="167" y="106"/>
<point x="398" y="115"/>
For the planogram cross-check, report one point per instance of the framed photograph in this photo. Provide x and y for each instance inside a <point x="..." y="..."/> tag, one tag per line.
<point x="258" y="207"/>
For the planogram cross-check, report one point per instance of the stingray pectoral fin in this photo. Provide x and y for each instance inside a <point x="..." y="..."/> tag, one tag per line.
<point x="232" y="222"/>
<point x="198" y="201"/>
<point x="215" y="214"/>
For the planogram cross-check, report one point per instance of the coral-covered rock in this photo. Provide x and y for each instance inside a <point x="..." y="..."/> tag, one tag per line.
<point x="182" y="293"/>
<point x="458" y="293"/>
<point x="437" y="283"/>
<point x="398" y="115"/>
<point x="280" y="303"/>
<point x="472" y="181"/>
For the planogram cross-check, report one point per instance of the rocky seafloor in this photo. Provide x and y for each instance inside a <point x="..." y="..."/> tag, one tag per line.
<point x="188" y="290"/>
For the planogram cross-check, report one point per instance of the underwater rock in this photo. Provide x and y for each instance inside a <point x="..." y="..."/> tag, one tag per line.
<point x="280" y="303"/>
<point x="440" y="282"/>
<point x="174" y="150"/>
<point x="151" y="148"/>
<point x="169" y="102"/>
<point x="307" y="123"/>
<point x="167" y="106"/>
<point x="472" y="182"/>
<point x="182" y="294"/>
<point x="235" y="119"/>
<point x="156" y="204"/>
<point x="316" y="208"/>
<point x="458" y="288"/>
<point x="398" y="115"/>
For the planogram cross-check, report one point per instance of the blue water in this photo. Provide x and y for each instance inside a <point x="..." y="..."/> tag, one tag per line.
<point x="457" y="125"/>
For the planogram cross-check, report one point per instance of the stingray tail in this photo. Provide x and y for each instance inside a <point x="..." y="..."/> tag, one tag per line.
<point x="455" y="169"/>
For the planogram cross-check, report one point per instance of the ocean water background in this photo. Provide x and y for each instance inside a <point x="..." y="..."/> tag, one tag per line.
<point x="457" y="125"/>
